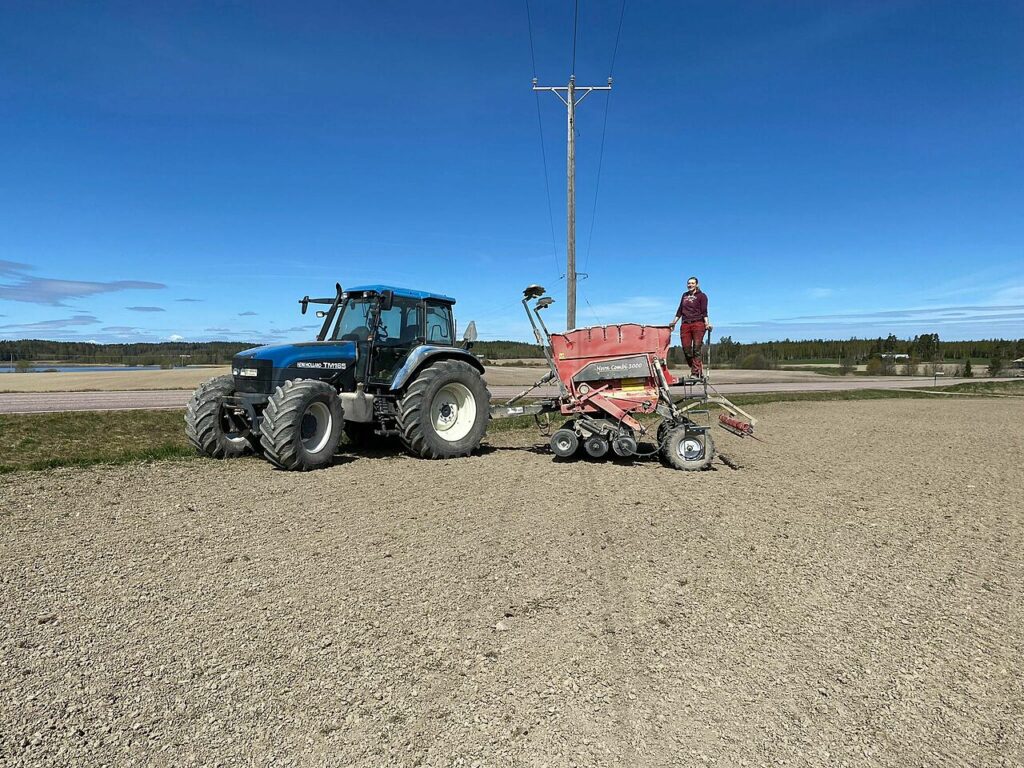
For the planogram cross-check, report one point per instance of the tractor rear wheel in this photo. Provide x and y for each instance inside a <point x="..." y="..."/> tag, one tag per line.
<point x="302" y="425"/>
<point x="444" y="412"/>
<point x="686" y="449"/>
<point x="210" y="427"/>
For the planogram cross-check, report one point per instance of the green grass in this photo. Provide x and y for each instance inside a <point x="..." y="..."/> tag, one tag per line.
<point x="44" y="440"/>
<point x="36" y="441"/>
<point x="988" y="387"/>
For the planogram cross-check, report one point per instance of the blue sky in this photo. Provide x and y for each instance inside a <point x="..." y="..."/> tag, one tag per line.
<point x="828" y="169"/>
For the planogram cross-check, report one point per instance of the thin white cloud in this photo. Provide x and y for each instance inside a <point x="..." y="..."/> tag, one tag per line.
<point x="121" y="329"/>
<point x="146" y="309"/>
<point x="51" y="292"/>
<point x="1010" y="293"/>
<point x="56" y="324"/>
<point x="821" y="293"/>
<point x="915" y="313"/>
<point x="13" y="267"/>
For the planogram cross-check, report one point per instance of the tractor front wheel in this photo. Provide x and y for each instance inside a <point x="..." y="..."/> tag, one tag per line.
<point x="210" y="426"/>
<point x="302" y="425"/>
<point x="444" y="412"/>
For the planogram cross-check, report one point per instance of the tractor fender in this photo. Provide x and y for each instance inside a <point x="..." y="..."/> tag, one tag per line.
<point x="426" y="354"/>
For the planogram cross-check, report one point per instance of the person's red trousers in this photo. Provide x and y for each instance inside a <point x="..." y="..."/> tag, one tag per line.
<point x="691" y="336"/>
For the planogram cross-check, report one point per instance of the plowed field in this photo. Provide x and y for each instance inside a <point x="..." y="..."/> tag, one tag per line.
<point x="852" y="595"/>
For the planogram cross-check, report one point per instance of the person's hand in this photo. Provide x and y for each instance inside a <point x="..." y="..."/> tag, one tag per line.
<point x="709" y="326"/>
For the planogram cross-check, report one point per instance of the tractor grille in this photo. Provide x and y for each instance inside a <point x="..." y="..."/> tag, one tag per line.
<point x="245" y="381"/>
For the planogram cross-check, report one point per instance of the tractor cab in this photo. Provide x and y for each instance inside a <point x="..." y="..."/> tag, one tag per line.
<point x="387" y="323"/>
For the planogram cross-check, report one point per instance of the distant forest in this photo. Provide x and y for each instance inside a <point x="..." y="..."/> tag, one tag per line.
<point x="924" y="348"/>
<point x="166" y="353"/>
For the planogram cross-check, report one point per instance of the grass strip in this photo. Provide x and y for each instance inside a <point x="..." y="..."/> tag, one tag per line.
<point x="988" y="387"/>
<point x="31" y="441"/>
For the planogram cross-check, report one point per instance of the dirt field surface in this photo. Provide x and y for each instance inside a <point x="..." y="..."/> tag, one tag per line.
<point x="851" y="596"/>
<point x="109" y="381"/>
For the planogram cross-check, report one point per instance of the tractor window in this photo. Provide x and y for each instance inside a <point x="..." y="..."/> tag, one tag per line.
<point x="439" y="324"/>
<point x="354" y="322"/>
<point x="402" y="324"/>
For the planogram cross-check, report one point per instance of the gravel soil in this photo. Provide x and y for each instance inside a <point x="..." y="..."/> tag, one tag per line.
<point x="852" y="595"/>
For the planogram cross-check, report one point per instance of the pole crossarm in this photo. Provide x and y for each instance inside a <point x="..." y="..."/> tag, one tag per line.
<point x="558" y="89"/>
<point x="571" y="101"/>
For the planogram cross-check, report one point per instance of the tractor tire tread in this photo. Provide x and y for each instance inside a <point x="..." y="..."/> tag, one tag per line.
<point x="202" y="420"/>
<point x="411" y="410"/>
<point x="282" y="416"/>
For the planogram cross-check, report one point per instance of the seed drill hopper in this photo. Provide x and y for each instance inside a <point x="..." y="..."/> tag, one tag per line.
<point x="613" y="383"/>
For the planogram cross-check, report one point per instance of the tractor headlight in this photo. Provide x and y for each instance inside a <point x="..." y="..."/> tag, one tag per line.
<point x="249" y="373"/>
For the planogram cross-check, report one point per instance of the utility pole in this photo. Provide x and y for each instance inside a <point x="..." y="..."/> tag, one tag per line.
<point x="571" y="102"/>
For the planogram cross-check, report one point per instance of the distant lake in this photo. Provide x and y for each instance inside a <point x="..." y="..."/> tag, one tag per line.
<point x="81" y="368"/>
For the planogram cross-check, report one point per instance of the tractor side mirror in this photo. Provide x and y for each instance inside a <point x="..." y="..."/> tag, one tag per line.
<point x="304" y="302"/>
<point x="387" y="300"/>
<point x="470" y="335"/>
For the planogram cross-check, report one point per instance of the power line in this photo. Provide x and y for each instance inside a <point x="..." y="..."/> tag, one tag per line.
<point x="615" y="50"/>
<point x="597" y="184"/>
<point x="529" y="25"/>
<point x="543" y="153"/>
<point x="575" y="27"/>
<point x="604" y="131"/>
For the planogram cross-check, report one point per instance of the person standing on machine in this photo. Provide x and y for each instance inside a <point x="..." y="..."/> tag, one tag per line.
<point x="693" y="311"/>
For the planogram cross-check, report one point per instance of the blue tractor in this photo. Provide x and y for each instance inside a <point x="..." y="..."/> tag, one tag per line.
<point x="385" y="363"/>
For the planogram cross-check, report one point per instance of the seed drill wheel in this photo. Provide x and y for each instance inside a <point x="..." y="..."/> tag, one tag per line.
<point x="564" y="443"/>
<point x="302" y="425"/>
<point x="208" y="424"/>
<point x="624" y="446"/>
<point x="596" y="446"/>
<point x="685" y="449"/>
<point x="444" y="412"/>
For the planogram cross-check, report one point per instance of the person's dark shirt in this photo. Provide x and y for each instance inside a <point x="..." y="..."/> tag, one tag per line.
<point x="693" y="307"/>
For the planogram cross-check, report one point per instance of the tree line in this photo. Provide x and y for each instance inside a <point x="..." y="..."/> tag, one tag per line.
<point x="84" y="353"/>
<point x="923" y="348"/>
